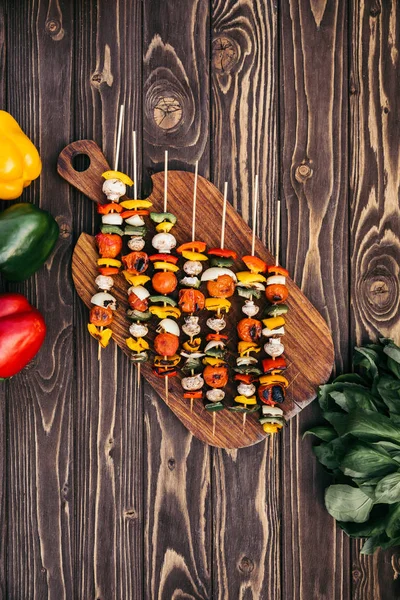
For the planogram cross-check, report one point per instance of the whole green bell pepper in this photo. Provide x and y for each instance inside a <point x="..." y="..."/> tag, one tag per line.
<point x="27" y="237"/>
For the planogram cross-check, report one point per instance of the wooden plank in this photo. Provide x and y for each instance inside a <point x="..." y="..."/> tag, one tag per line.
<point x="313" y="121"/>
<point x="177" y="536"/>
<point x="375" y="222"/>
<point x="109" y="420"/>
<point x="39" y="429"/>
<point x="246" y="483"/>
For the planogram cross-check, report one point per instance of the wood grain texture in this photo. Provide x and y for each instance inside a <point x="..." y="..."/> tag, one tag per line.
<point x="246" y="483"/>
<point x="109" y="415"/>
<point x="313" y="121"/>
<point x="39" y="428"/>
<point x="375" y="218"/>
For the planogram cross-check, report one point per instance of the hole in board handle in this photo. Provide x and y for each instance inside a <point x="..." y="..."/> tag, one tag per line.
<point x="81" y="162"/>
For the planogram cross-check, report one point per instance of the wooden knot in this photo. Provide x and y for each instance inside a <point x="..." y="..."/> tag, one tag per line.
<point x="356" y="574"/>
<point x="225" y="53"/>
<point x="246" y="565"/>
<point x="167" y="105"/>
<point x="375" y="9"/>
<point x="171" y="464"/>
<point x="65" y="230"/>
<point x="97" y="79"/>
<point x="303" y="172"/>
<point x="380" y="288"/>
<point x="353" y="90"/>
<point x="167" y="112"/>
<point x="130" y="514"/>
<point x="53" y="28"/>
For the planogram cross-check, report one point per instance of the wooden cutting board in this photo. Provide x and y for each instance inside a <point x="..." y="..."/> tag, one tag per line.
<point x="308" y="342"/>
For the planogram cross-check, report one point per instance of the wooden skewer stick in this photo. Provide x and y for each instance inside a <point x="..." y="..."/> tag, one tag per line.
<point x="255" y="205"/>
<point x="224" y="214"/>
<point x="214" y="422"/>
<point x="134" y="167"/>
<point x="196" y="172"/>
<point x="244" y="421"/>
<point x="278" y="231"/>
<point x="166" y="389"/>
<point x="119" y="133"/>
<point x="166" y="181"/>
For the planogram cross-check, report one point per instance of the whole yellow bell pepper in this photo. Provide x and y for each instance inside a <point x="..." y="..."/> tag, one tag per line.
<point x="19" y="160"/>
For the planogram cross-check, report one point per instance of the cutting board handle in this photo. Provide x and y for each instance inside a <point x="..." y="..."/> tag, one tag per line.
<point x="89" y="182"/>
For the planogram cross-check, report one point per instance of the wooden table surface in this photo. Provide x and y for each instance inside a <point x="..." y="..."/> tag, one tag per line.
<point x="103" y="498"/>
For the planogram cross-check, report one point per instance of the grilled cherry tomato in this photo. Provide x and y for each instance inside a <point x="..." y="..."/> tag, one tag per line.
<point x="166" y="344"/>
<point x="105" y="209"/>
<point x="255" y="264"/>
<point x="249" y="330"/>
<point x="164" y="282"/>
<point x="223" y="287"/>
<point x="223" y="252"/>
<point x="192" y="246"/>
<point x="216" y="377"/>
<point x="109" y="244"/>
<point x="108" y="271"/>
<point x="276" y="293"/>
<point x="136" y="263"/>
<point x="101" y="316"/>
<point x="136" y="303"/>
<point x="164" y="258"/>
<point x="191" y="300"/>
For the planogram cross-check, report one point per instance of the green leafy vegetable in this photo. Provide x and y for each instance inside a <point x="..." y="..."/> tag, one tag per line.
<point x="360" y="446"/>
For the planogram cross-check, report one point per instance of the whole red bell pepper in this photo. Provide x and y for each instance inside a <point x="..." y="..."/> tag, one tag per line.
<point x="22" y="331"/>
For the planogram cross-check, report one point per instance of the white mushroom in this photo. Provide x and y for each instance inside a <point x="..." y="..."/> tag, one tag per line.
<point x="164" y="242"/>
<point x="216" y="324"/>
<point x="138" y="330"/>
<point x="191" y="326"/>
<point x="215" y="395"/>
<point x="114" y="189"/>
<point x="105" y="300"/>
<point x="193" y="267"/>
<point x="112" y="219"/>
<point x="195" y="382"/>
<point x="250" y="309"/>
<point x="274" y="347"/>
<point x="168" y="326"/>
<point x="246" y="389"/>
<point x="104" y="282"/>
<point x="136" y="243"/>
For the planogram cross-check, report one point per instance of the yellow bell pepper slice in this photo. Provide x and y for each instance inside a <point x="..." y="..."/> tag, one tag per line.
<point x="135" y="279"/>
<point x="162" y="312"/>
<point x="247" y="347"/>
<point x="165" y="266"/>
<point x="109" y="262"/>
<point x="137" y="345"/>
<point x="213" y="361"/>
<point x="103" y="337"/>
<point x="245" y="400"/>
<point x="217" y="304"/>
<point x="172" y="360"/>
<point x="136" y="204"/>
<point x="19" y="160"/>
<point x="164" y="227"/>
<point x="273" y="379"/>
<point x="272" y="428"/>
<point x="190" y="255"/>
<point x="274" y="322"/>
<point x="247" y="277"/>
<point x="192" y="347"/>
<point x="117" y="175"/>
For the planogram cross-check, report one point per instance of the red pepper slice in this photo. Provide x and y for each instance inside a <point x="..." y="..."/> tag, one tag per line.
<point x="216" y="336"/>
<point x="108" y="270"/>
<point x="104" y="209"/>
<point x="193" y="395"/>
<point x="164" y="257"/>
<point x="269" y="364"/>
<point x="255" y="264"/>
<point x="277" y="270"/>
<point x="131" y="213"/>
<point x="192" y="246"/>
<point x="245" y="378"/>
<point x="164" y="372"/>
<point x="224" y="252"/>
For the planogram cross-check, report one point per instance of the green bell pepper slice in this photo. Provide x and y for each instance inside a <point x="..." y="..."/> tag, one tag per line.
<point x="27" y="236"/>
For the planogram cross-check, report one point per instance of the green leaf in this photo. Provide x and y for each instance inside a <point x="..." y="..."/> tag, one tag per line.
<point x="372" y="427"/>
<point x="351" y="378"/>
<point x="338" y="420"/>
<point x="388" y="489"/>
<point x="346" y="503"/>
<point x="330" y="454"/>
<point x="372" y="544"/>
<point x="368" y="359"/>
<point x="363" y="460"/>
<point x="392" y="350"/>
<point x="393" y="522"/>
<point x="325" y="433"/>
<point x="394" y="367"/>
<point x="376" y="524"/>
<point x="353" y="397"/>
<point x="389" y="390"/>
<point x="355" y="392"/>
